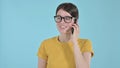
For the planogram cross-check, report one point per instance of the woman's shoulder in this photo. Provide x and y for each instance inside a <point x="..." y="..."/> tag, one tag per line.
<point x="51" y="39"/>
<point x="83" y="40"/>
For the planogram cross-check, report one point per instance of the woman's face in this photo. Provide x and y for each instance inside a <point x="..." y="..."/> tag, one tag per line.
<point x="62" y="26"/>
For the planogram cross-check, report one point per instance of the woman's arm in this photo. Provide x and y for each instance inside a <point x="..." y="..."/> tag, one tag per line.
<point x="81" y="60"/>
<point x="41" y="63"/>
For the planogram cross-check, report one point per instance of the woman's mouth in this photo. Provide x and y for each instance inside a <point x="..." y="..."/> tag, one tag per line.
<point x="63" y="27"/>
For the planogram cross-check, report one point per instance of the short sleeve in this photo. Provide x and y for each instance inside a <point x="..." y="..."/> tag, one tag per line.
<point x="42" y="51"/>
<point x="87" y="47"/>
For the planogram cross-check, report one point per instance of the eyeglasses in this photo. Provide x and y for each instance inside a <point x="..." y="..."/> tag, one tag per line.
<point x="67" y="19"/>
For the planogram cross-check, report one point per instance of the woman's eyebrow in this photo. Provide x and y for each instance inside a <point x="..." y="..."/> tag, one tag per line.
<point x="63" y="16"/>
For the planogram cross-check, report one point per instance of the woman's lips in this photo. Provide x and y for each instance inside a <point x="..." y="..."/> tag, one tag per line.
<point x="63" y="27"/>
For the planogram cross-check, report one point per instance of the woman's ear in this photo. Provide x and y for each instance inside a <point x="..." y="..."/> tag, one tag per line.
<point x="76" y="21"/>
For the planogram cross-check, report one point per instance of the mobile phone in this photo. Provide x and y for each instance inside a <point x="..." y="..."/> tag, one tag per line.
<point x="73" y="28"/>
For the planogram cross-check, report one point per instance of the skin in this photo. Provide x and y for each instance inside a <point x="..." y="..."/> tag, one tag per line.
<point x="82" y="60"/>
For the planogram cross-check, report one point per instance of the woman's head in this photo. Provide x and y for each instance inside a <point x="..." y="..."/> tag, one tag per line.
<point x="70" y="8"/>
<point x="66" y="15"/>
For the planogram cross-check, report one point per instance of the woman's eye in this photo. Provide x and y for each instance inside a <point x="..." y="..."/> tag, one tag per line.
<point x="67" y="18"/>
<point x="58" y="17"/>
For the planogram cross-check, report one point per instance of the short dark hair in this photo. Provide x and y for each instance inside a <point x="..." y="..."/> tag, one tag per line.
<point x="70" y="8"/>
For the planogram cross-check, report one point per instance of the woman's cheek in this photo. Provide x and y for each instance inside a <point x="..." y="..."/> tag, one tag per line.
<point x="70" y="26"/>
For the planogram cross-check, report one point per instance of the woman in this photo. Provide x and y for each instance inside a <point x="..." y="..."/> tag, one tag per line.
<point x="65" y="50"/>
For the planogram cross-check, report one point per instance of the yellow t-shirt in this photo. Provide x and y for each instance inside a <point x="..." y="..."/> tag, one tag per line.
<point x="60" y="55"/>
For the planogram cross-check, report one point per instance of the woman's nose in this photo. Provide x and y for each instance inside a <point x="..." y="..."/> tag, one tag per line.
<point x="62" y="21"/>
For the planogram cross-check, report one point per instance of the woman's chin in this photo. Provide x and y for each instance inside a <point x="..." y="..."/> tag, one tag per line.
<point x="64" y="32"/>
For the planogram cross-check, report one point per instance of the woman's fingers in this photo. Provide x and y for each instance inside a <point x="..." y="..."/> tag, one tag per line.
<point x="76" y="27"/>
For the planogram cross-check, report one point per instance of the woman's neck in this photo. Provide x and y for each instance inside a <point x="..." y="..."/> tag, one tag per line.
<point x="64" y="37"/>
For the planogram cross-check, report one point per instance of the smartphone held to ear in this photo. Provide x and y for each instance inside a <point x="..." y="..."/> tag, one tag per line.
<point x="73" y="28"/>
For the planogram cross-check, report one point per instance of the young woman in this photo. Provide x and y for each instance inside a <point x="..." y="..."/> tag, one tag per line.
<point x="65" y="50"/>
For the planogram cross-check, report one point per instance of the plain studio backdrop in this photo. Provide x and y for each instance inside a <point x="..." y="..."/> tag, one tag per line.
<point x="24" y="24"/>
